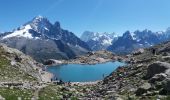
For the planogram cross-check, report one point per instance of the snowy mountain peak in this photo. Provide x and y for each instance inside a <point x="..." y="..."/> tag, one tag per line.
<point x="41" y="28"/>
<point x="39" y="18"/>
<point x="87" y="35"/>
<point x="127" y="34"/>
<point x="40" y="24"/>
<point x="48" y="39"/>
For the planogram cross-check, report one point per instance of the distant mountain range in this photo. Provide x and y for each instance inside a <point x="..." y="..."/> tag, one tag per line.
<point x="130" y="41"/>
<point x="43" y="40"/>
<point x="98" y="41"/>
<point x="126" y="43"/>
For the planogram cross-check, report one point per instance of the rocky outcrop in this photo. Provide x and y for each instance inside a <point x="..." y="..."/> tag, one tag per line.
<point x="157" y="78"/>
<point x="157" y="68"/>
<point x="16" y="66"/>
<point x="143" y="89"/>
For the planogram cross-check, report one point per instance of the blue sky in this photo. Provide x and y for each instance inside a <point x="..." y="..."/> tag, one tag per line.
<point x="93" y="15"/>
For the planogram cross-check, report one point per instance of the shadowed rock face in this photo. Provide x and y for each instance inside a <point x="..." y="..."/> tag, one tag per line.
<point x="41" y="50"/>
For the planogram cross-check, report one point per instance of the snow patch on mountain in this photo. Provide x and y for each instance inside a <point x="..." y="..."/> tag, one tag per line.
<point x="107" y="42"/>
<point x="24" y="32"/>
<point x="133" y="36"/>
<point x="46" y="28"/>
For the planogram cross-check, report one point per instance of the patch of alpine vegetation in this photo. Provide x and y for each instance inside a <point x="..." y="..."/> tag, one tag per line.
<point x="15" y="94"/>
<point x="65" y="91"/>
<point x="20" y="75"/>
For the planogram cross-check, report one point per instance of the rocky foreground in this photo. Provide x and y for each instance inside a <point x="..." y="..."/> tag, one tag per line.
<point x="146" y="77"/>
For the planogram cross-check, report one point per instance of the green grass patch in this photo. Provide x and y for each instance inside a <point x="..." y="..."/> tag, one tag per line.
<point x="14" y="94"/>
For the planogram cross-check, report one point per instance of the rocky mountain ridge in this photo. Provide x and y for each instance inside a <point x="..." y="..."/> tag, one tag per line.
<point x="131" y="41"/>
<point x="43" y="40"/>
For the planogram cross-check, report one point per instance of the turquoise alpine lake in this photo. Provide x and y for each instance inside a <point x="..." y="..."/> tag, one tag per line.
<point x="83" y="73"/>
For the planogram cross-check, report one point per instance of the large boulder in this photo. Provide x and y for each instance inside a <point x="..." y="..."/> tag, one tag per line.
<point x="157" y="68"/>
<point x="52" y="62"/>
<point x="138" y="52"/>
<point x="158" y="77"/>
<point x="143" y="89"/>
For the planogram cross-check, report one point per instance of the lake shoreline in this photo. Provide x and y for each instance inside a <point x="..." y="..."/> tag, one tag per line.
<point x="90" y="58"/>
<point x="85" y="83"/>
<point x="97" y="59"/>
<point x="77" y="73"/>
